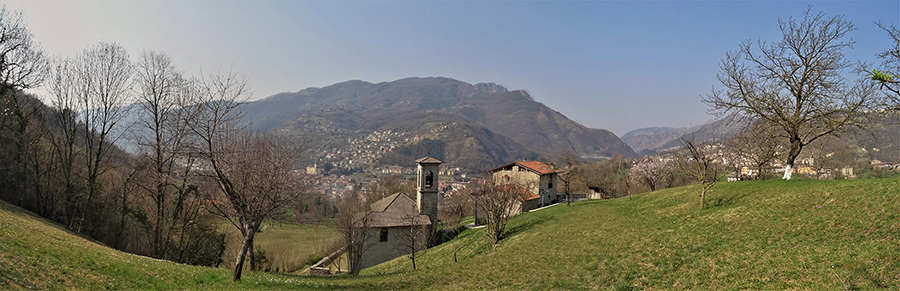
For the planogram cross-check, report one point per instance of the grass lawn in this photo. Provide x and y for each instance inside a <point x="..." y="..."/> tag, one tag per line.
<point x="287" y="246"/>
<point x="36" y="254"/>
<point x="758" y="235"/>
<point x="771" y="235"/>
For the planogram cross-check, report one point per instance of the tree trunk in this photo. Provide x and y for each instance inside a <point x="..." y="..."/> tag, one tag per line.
<point x="702" y="195"/>
<point x="252" y="257"/>
<point x="796" y="146"/>
<point x="242" y="254"/>
<point x="160" y="213"/>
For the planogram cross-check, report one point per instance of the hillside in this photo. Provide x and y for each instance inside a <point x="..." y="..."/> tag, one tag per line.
<point x="40" y="255"/>
<point x="651" y="138"/>
<point x="823" y="235"/>
<point x="878" y="141"/>
<point x="424" y="107"/>
<point x="769" y="235"/>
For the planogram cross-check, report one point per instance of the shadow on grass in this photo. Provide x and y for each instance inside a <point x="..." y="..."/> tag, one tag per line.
<point x="726" y="200"/>
<point x="522" y="227"/>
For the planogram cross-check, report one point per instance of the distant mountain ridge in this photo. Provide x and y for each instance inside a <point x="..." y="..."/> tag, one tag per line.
<point x="649" y="140"/>
<point x="480" y="125"/>
<point x="652" y="138"/>
<point x="878" y="141"/>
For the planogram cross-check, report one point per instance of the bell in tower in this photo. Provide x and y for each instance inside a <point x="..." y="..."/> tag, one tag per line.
<point x="429" y="179"/>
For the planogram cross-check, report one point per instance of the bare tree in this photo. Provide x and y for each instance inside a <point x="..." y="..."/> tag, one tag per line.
<point x="256" y="177"/>
<point x="600" y="178"/>
<point x="28" y="168"/>
<point x="213" y="123"/>
<point x="701" y="166"/>
<point x="22" y="66"/>
<point x="61" y="85"/>
<point x="797" y="83"/>
<point x="890" y="62"/>
<point x="568" y="177"/>
<point x="253" y="172"/>
<point x="609" y="177"/>
<point x="102" y="85"/>
<point x="569" y="158"/>
<point x="417" y="238"/>
<point x="353" y="218"/>
<point x="453" y="211"/>
<point x="497" y="203"/>
<point x="22" y="62"/>
<point x="161" y="135"/>
<point x="758" y="143"/>
<point x="650" y="172"/>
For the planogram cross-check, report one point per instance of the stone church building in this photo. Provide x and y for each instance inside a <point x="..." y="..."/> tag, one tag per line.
<point x="391" y="218"/>
<point x="390" y="222"/>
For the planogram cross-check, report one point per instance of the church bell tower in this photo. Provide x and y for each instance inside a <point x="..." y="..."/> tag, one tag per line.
<point x="427" y="188"/>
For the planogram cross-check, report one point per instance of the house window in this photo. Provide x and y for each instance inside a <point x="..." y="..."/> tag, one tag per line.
<point x="384" y="234"/>
<point x="550" y="184"/>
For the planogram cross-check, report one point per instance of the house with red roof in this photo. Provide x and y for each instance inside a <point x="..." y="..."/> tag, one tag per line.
<point x="537" y="179"/>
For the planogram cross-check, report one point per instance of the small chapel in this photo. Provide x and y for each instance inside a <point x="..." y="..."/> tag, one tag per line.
<point x="391" y="218"/>
<point x="390" y="221"/>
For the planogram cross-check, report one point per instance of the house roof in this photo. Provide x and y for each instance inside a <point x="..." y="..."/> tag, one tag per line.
<point x="534" y="166"/>
<point x="396" y="210"/>
<point x="428" y="160"/>
<point x="523" y="194"/>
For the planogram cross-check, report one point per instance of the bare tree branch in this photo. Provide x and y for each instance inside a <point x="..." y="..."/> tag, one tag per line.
<point x="700" y="165"/>
<point x="497" y="203"/>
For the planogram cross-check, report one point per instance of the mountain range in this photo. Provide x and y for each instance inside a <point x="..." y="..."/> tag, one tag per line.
<point x="649" y="140"/>
<point x="879" y="140"/>
<point x="472" y="126"/>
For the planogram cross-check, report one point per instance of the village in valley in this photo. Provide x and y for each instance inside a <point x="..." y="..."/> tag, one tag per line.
<point x="353" y="169"/>
<point x="128" y="167"/>
<point x="534" y="184"/>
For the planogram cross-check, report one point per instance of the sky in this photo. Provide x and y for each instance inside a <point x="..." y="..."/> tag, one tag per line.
<point x="615" y="65"/>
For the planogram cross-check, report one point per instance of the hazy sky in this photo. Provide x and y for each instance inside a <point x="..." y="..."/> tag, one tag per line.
<point x="608" y="64"/>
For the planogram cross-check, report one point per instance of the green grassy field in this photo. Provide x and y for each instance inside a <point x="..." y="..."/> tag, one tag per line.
<point x="288" y="247"/>
<point x="39" y="255"/>
<point x="822" y="235"/>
